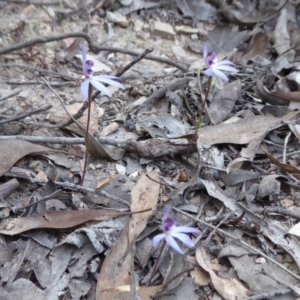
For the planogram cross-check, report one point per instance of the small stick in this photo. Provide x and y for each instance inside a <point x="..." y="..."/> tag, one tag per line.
<point x="22" y="116"/>
<point x="10" y="95"/>
<point x="284" y="147"/>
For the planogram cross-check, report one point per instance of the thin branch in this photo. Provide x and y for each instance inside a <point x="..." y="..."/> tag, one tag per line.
<point x="94" y="47"/>
<point x="22" y="116"/>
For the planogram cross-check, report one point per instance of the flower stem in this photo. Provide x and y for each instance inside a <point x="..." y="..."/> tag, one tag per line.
<point x="198" y="124"/>
<point x="156" y="263"/>
<point x="87" y="133"/>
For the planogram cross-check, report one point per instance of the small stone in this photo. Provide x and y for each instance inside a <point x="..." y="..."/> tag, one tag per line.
<point x="164" y="30"/>
<point x="194" y="37"/>
<point x="117" y="18"/>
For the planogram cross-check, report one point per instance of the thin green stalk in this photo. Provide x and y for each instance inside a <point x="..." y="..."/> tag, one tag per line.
<point x="87" y="132"/>
<point x="156" y="263"/>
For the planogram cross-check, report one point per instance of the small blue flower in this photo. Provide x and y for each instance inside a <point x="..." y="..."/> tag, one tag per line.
<point x="216" y="67"/>
<point x="171" y="231"/>
<point x="96" y="80"/>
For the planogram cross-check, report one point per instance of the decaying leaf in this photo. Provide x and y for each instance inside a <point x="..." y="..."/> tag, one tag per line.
<point x="229" y="289"/>
<point x="283" y="167"/>
<point x="54" y="219"/>
<point x="144" y="195"/>
<point x="242" y="131"/>
<point x="14" y="150"/>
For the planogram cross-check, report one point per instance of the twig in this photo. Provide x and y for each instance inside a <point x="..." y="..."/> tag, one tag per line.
<point x="52" y="83"/>
<point x="42" y="139"/>
<point x="22" y="116"/>
<point x="94" y="47"/>
<point x="241" y="242"/>
<point x="10" y="95"/>
<point x="55" y="194"/>
<point x="41" y="2"/>
<point x="284" y="147"/>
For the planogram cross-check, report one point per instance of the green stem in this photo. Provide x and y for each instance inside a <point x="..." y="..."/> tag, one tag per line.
<point x="87" y="132"/>
<point x="156" y="263"/>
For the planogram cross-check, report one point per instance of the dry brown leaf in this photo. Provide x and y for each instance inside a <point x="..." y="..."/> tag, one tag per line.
<point x="115" y="270"/>
<point x="144" y="195"/>
<point x="257" y="46"/>
<point x="283" y="167"/>
<point x="229" y="289"/>
<point x="242" y="131"/>
<point x="13" y="150"/>
<point x="54" y="219"/>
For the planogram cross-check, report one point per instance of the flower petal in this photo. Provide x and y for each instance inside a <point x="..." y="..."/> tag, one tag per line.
<point x="158" y="238"/>
<point x="204" y="49"/>
<point x="84" y="88"/>
<point x="186" y="229"/>
<point x="110" y="76"/>
<point x="83" y="60"/>
<point x="219" y="74"/>
<point x="224" y="62"/>
<point x="109" y="81"/>
<point x="100" y="87"/>
<point x="166" y="213"/>
<point x="170" y="240"/>
<point x="184" y="238"/>
<point x="226" y="68"/>
<point x="208" y="72"/>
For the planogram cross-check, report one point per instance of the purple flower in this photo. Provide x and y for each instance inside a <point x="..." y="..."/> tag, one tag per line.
<point x="171" y="231"/>
<point x="95" y="80"/>
<point x="216" y="67"/>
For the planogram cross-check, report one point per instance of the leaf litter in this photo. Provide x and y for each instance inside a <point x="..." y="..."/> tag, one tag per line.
<point x="237" y="178"/>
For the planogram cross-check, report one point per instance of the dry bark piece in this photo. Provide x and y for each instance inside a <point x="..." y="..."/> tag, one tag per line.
<point x="8" y="188"/>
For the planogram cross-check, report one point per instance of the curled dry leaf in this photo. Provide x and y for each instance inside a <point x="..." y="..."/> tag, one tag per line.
<point x="229" y="289"/>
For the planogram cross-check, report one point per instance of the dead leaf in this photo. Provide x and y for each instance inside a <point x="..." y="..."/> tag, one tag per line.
<point x="257" y="46"/>
<point x="13" y="150"/>
<point x="284" y="167"/>
<point x="242" y="131"/>
<point x="115" y="270"/>
<point x="224" y="102"/>
<point x="229" y="289"/>
<point x="54" y="219"/>
<point x="144" y="195"/>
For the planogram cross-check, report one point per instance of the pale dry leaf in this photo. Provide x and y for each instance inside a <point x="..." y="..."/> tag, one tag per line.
<point x="115" y="270"/>
<point x="242" y="131"/>
<point x="144" y="195"/>
<point x="13" y="150"/>
<point x="54" y="219"/>
<point x="229" y="289"/>
<point x="295" y="230"/>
